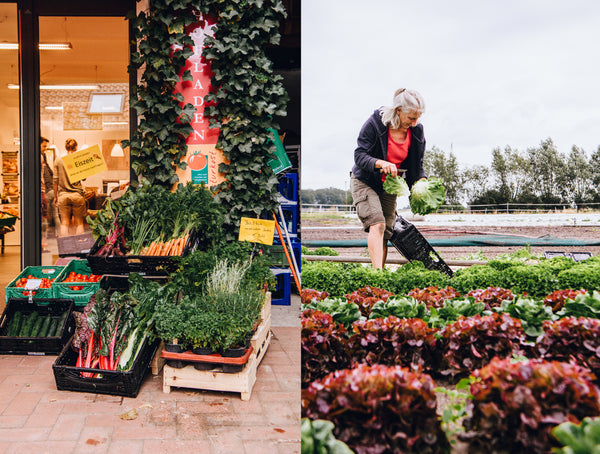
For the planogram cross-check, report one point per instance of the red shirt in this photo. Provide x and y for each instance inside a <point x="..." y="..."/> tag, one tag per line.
<point x="397" y="152"/>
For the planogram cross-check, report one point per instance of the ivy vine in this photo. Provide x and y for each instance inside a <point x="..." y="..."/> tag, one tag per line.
<point x="245" y="98"/>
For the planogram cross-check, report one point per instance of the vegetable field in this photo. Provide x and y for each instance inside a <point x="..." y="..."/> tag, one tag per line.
<point x="502" y="357"/>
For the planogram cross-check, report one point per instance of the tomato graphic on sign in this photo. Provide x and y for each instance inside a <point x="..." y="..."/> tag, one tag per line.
<point x="198" y="163"/>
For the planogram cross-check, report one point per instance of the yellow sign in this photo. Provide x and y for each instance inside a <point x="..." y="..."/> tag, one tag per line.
<point x="257" y="230"/>
<point x="84" y="163"/>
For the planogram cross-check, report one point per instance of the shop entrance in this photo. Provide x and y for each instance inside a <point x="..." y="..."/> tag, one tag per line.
<point x="84" y="102"/>
<point x="64" y="85"/>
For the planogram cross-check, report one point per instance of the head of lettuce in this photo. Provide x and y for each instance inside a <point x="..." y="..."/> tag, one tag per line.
<point x="427" y="195"/>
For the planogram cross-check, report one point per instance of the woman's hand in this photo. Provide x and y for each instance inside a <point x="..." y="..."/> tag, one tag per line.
<point x="386" y="167"/>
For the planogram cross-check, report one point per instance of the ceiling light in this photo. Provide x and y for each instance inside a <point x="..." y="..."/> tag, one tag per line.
<point x="59" y="87"/>
<point x="117" y="151"/>
<point x="42" y="46"/>
<point x="53" y="108"/>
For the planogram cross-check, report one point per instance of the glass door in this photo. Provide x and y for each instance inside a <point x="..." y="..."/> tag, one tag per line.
<point x="84" y="116"/>
<point x="10" y="219"/>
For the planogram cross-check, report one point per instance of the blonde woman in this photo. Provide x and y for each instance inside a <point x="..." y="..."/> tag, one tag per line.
<point x="391" y="140"/>
<point x="68" y="197"/>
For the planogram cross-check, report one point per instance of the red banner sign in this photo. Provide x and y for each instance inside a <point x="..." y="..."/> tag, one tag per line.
<point x="203" y="158"/>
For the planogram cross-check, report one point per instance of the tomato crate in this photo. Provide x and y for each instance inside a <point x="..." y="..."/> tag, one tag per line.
<point x="79" y="291"/>
<point x="114" y="382"/>
<point x="160" y="265"/>
<point x="38" y="272"/>
<point x="412" y="245"/>
<point x="60" y="328"/>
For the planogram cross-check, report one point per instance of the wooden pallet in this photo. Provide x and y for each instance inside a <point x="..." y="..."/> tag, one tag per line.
<point x="216" y="379"/>
<point x="158" y="362"/>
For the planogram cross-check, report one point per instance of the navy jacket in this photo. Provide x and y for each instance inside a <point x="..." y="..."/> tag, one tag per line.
<point x="372" y="144"/>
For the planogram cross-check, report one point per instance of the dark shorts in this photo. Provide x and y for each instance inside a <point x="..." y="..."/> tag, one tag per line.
<point x="373" y="208"/>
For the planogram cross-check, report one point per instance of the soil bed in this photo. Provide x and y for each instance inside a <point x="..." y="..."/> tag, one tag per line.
<point x="347" y="229"/>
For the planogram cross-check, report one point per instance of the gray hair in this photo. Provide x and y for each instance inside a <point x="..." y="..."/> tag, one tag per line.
<point x="405" y="99"/>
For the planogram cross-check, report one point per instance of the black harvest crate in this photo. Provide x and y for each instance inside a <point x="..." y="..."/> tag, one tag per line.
<point x="52" y="345"/>
<point x="113" y="382"/>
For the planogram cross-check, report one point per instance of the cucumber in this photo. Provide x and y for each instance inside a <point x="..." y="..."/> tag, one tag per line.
<point x="52" y="328"/>
<point x="36" y="327"/>
<point x="59" y="325"/>
<point x="45" y="326"/>
<point x="15" y="324"/>
<point x="26" y="326"/>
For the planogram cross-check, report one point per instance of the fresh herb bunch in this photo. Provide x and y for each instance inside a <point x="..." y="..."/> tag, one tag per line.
<point x="193" y="269"/>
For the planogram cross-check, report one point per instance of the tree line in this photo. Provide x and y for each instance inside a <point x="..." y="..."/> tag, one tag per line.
<point x="539" y="175"/>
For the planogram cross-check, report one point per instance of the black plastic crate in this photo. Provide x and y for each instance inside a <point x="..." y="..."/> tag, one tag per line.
<point x="142" y="264"/>
<point x="113" y="382"/>
<point x="412" y="245"/>
<point x="37" y="345"/>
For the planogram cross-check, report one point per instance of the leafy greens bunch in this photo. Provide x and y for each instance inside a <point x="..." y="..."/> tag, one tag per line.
<point x="427" y="195"/>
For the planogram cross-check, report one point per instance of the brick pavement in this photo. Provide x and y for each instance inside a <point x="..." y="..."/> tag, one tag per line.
<point x="37" y="418"/>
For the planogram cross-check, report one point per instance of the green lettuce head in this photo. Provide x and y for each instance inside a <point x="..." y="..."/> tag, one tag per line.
<point x="427" y="195"/>
<point x="395" y="185"/>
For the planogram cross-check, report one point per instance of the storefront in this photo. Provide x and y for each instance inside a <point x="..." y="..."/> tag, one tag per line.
<point x="64" y="77"/>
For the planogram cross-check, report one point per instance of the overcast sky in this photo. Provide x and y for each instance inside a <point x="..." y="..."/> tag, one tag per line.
<point x="493" y="73"/>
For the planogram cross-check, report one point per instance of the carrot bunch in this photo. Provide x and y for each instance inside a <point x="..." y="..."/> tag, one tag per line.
<point x="158" y="247"/>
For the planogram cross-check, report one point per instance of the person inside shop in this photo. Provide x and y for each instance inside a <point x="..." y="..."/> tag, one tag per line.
<point x="48" y="186"/>
<point x="69" y="197"/>
<point x="391" y="142"/>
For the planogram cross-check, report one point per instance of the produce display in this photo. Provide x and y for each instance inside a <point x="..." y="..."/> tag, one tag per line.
<point x="111" y="329"/>
<point x="529" y="351"/>
<point x="152" y="221"/>
<point x="79" y="277"/>
<point x="45" y="281"/>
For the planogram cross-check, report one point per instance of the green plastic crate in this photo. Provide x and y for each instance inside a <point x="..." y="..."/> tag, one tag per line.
<point x="38" y="272"/>
<point x="65" y="290"/>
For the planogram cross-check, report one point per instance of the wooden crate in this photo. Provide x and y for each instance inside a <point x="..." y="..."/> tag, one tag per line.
<point x="216" y="379"/>
<point x="158" y="362"/>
